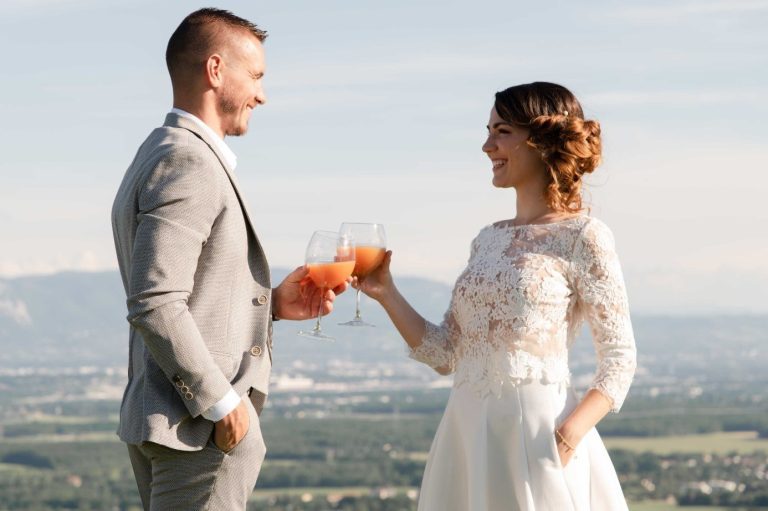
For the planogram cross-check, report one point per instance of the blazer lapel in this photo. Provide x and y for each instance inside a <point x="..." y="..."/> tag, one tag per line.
<point x="176" y="121"/>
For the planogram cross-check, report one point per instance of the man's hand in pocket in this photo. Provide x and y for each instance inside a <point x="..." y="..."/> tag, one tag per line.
<point x="228" y="432"/>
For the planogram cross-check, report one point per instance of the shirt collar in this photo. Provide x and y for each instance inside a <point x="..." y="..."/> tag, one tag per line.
<point x="229" y="156"/>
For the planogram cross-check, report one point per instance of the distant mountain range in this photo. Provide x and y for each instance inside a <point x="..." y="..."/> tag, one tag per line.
<point x="78" y="319"/>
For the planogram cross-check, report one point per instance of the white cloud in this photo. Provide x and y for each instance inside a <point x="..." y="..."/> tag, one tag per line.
<point x="359" y="71"/>
<point x="671" y="98"/>
<point x="42" y="265"/>
<point x="11" y="269"/>
<point x="680" y="291"/>
<point x="672" y="183"/>
<point x="89" y="261"/>
<point x="17" y="6"/>
<point x="16" y="310"/>
<point x="671" y="13"/>
<point x="727" y="258"/>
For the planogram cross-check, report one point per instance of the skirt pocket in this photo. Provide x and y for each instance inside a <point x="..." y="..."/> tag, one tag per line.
<point x="542" y="406"/>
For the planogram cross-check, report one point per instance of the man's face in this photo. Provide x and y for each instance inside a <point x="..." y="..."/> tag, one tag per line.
<point x="242" y="87"/>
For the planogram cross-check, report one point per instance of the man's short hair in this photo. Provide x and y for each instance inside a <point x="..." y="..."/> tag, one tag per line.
<point x="200" y="34"/>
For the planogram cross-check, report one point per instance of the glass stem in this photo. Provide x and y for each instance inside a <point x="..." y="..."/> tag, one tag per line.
<point x="319" y="311"/>
<point x="357" y="305"/>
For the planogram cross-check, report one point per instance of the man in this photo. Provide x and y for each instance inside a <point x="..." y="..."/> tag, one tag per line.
<point x="199" y="297"/>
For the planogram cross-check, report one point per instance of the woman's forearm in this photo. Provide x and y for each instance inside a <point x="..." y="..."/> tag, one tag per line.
<point x="408" y="322"/>
<point x="380" y="286"/>
<point x="592" y="408"/>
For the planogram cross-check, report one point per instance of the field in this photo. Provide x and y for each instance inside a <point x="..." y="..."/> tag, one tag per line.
<point x="742" y="442"/>
<point x="663" y="506"/>
<point x="366" y="450"/>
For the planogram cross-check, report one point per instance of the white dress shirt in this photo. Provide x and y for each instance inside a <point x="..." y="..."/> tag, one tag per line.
<point x="229" y="156"/>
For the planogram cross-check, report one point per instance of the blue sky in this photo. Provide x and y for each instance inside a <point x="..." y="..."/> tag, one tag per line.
<point x="376" y="112"/>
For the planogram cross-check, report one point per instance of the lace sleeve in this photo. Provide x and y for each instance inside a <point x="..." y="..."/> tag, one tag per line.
<point x="602" y="298"/>
<point x="437" y="348"/>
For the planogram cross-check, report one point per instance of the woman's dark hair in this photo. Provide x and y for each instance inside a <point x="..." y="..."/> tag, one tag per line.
<point x="568" y="144"/>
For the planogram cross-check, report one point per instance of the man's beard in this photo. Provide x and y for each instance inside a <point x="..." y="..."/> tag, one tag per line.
<point x="230" y="110"/>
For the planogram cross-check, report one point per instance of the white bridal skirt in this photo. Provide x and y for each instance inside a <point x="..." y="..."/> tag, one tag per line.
<point x="499" y="454"/>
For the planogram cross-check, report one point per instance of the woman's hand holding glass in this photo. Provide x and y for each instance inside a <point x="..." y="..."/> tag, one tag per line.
<point x="370" y="245"/>
<point x="379" y="283"/>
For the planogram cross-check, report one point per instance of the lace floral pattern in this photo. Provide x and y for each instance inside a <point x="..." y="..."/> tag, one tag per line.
<point x="517" y="307"/>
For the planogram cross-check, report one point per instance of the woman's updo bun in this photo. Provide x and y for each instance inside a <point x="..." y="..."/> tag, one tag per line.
<point x="568" y="144"/>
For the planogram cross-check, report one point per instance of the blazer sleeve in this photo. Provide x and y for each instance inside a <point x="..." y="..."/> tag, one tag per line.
<point x="178" y="204"/>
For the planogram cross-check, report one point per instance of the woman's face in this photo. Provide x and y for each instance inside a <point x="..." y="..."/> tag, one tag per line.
<point x="514" y="162"/>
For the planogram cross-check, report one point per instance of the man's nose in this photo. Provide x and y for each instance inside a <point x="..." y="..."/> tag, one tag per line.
<point x="260" y="97"/>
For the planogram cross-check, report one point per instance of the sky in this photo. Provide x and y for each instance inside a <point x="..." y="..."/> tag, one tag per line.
<point x="376" y="112"/>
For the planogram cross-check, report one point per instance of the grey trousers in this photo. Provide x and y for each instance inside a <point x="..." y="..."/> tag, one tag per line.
<point x="205" y="480"/>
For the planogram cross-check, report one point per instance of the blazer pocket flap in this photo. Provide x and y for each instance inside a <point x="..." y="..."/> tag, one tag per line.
<point x="226" y="362"/>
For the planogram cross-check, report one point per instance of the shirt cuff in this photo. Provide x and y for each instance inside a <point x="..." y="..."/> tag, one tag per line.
<point x="219" y="410"/>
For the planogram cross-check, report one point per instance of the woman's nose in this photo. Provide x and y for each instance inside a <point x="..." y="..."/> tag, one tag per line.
<point x="488" y="146"/>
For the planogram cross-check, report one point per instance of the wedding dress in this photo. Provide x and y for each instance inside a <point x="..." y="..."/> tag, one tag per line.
<point x="514" y="313"/>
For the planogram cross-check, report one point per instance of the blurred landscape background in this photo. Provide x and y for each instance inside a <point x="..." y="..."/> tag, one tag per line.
<point x="376" y="112"/>
<point x="348" y="424"/>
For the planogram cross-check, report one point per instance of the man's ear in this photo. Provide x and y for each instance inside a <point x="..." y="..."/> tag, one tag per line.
<point x="213" y="70"/>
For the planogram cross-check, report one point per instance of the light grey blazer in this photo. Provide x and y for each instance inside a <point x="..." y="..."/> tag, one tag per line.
<point x="197" y="285"/>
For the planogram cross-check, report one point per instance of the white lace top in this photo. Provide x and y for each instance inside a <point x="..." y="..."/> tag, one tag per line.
<point x="518" y="305"/>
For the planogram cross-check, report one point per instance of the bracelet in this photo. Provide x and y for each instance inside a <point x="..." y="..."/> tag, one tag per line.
<point x="563" y="440"/>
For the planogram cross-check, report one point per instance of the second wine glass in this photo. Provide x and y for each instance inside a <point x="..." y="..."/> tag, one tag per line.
<point x="370" y="247"/>
<point x="330" y="259"/>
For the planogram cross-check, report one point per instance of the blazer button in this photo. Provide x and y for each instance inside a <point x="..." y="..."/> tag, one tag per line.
<point x="256" y="351"/>
<point x="189" y="395"/>
<point x="180" y="383"/>
<point x="261" y="300"/>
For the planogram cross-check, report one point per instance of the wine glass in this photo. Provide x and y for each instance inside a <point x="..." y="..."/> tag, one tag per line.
<point x="330" y="259"/>
<point x="370" y="247"/>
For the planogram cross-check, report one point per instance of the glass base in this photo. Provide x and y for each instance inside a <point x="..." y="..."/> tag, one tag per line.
<point x="357" y="322"/>
<point x="316" y="334"/>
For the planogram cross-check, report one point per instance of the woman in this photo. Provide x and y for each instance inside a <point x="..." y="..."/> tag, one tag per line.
<point x="514" y="436"/>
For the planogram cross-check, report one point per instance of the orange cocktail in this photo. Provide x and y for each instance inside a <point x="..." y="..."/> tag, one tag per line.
<point x="367" y="259"/>
<point x="330" y="275"/>
<point x="330" y="259"/>
<point x="370" y="243"/>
